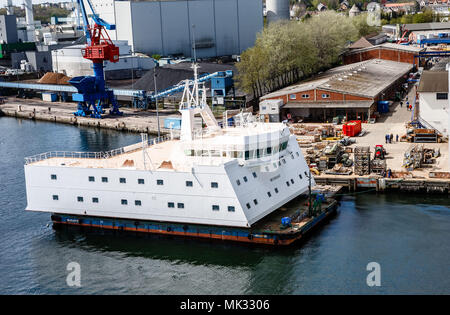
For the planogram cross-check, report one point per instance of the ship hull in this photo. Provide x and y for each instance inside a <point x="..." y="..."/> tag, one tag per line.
<point x="221" y="233"/>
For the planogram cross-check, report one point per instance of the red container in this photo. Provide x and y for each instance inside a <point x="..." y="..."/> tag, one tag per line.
<point x="352" y="128"/>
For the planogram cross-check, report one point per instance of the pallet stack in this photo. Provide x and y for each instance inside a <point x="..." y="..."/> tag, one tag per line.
<point x="362" y="161"/>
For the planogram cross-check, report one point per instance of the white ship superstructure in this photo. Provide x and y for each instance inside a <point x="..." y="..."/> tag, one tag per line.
<point x="219" y="175"/>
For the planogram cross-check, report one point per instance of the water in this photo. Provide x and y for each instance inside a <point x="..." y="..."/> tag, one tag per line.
<point x="408" y="235"/>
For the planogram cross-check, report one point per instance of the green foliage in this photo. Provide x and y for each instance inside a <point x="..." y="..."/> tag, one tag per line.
<point x="289" y="50"/>
<point x="40" y="14"/>
<point x="156" y="56"/>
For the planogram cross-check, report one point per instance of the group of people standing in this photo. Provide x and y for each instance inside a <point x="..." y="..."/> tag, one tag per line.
<point x="390" y="137"/>
<point x="408" y="105"/>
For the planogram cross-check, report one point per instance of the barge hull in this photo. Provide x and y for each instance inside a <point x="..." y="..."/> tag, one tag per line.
<point x="223" y="233"/>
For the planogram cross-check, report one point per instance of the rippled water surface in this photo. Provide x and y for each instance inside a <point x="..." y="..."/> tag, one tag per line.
<point x="407" y="234"/>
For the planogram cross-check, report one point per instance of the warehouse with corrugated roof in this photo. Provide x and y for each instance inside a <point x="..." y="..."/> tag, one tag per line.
<point x="352" y="91"/>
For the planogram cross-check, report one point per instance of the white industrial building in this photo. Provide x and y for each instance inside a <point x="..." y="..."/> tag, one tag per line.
<point x="433" y="101"/>
<point x="70" y="61"/>
<point x="219" y="27"/>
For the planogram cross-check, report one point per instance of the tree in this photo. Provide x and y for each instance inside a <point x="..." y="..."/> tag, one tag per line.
<point x="286" y="51"/>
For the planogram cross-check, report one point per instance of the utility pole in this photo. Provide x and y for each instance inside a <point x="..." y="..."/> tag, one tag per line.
<point x="310" y="196"/>
<point x="156" y="101"/>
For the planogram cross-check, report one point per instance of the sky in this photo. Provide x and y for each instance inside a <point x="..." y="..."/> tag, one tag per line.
<point x="19" y="2"/>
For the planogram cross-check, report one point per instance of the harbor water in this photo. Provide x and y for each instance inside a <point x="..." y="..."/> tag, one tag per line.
<point x="406" y="234"/>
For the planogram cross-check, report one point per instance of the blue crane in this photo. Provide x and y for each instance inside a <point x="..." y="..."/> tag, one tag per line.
<point x="93" y="95"/>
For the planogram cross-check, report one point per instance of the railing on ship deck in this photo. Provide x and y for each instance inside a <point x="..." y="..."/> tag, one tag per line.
<point x="94" y="155"/>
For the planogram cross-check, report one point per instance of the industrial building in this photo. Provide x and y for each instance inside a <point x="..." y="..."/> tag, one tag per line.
<point x="433" y="101"/>
<point x="218" y="27"/>
<point x="386" y="51"/>
<point x="277" y="10"/>
<point x="69" y="60"/>
<point x="352" y="91"/>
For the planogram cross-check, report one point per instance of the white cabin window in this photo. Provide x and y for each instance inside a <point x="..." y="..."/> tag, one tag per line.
<point x="292" y="181"/>
<point x="95" y="200"/>
<point x="287" y="183"/>
<point x="276" y="190"/>
<point x="80" y="199"/>
<point x="171" y="204"/>
<point x="441" y="96"/>
<point x="254" y="174"/>
<point x="214" y="185"/>
<point x="53" y="176"/>
<point x="55" y="197"/>
<point x="230" y="209"/>
<point x="245" y="179"/>
<point x="91" y="178"/>
<point x="238" y="182"/>
<point x="189" y="183"/>
<point x="215" y="207"/>
<point x="159" y="182"/>
<point x="137" y="203"/>
<point x="141" y="181"/>
<point x="124" y="202"/>
<point x="248" y="206"/>
<point x="255" y="201"/>
<point x="122" y="180"/>
<point x="180" y="205"/>
<point x="104" y="179"/>
<point x="269" y="194"/>
<point x="300" y="175"/>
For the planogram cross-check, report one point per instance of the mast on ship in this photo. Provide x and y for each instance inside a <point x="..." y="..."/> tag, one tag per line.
<point x="194" y="102"/>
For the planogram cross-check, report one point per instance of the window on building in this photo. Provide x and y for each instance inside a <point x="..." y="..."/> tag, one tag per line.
<point x="55" y="197"/>
<point x="180" y="205"/>
<point x="171" y="204"/>
<point x="137" y="203"/>
<point x="95" y="200"/>
<point x="189" y="183"/>
<point x="292" y="96"/>
<point x="215" y="207"/>
<point x="80" y="199"/>
<point x="159" y="182"/>
<point x="122" y="180"/>
<point x="325" y="95"/>
<point x="305" y="95"/>
<point x="441" y="96"/>
<point x="124" y="202"/>
<point x="141" y="181"/>
<point x="104" y="179"/>
<point x="53" y="177"/>
<point x="91" y="178"/>
<point x="214" y="185"/>
<point x="230" y="208"/>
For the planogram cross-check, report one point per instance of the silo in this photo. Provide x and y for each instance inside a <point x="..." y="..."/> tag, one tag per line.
<point x="277" y="10"/>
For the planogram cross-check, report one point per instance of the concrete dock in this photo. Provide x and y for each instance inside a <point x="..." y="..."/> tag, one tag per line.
<point x="133" y="120"/>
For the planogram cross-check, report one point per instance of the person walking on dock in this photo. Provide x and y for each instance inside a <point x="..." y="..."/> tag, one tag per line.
<point x="391" y="136"/>
<point x="396" y="138"/>
<point x="401" y="104"/>
<point x="386" y="137"/>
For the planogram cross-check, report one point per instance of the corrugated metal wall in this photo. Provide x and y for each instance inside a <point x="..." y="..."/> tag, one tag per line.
<point x="222" y="27"/>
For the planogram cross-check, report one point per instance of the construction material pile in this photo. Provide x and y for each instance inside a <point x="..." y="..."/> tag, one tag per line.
<point x="417" y="156"/>
<point x="308" y="134"/>
<point x="54" y="78"/>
